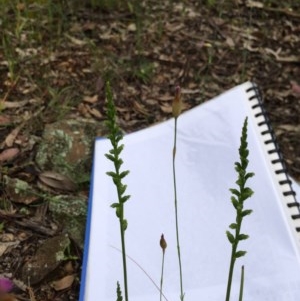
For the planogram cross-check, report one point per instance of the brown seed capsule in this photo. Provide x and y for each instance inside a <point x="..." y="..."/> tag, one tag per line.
<point x="163" y="243"/>
<point x="177" y="103"/>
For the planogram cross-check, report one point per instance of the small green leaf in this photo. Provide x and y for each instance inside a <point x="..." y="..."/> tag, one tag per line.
<point x="230" y="237"/>
<point x="118" y="163"/>
<point x="118" y="212"/>
<point x="233" y="226"/>
<point x="125" y="224"/>
<point x="115" y="205"/>
<point x="122" y="188"/>
<point x="125" y="198"/>
<point x="243" y="236"/>
<point x="245" y="152"/>
<point x="116" y="181"/>
<point x="119" y="136"/>
<point x="110" y="136"/>
<point x="244" y="162"/>
<point x="239" y="254"/>
<point x="249" y="175"/>
<point x="110" y="157"/>
<point x="238" y="166"/>
<point x="111" y="174"/>
<point x="247" y="193"/>
<point x="124" y="173"/>
<point x="120" y="148"/>
<point x="246" y="212"/>
<point x="235" y="202"/>
<point x="235" y="192"/>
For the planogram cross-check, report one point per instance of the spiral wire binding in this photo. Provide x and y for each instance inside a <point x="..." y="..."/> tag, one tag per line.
<point x="275" y="153"/>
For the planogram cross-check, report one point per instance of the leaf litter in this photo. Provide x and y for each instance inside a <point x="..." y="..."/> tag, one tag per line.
<point x="55" y="68"/>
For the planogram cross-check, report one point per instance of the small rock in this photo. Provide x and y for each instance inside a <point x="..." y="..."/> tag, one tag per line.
<point x="70" y="213"/>
<point x="47" y="258"/>
<point x="19" y="191"/>
<point x="67" y="147"/>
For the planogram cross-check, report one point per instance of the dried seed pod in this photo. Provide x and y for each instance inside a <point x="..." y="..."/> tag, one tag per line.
<point x="163" y="243"/>
<point x="177" y="103"/>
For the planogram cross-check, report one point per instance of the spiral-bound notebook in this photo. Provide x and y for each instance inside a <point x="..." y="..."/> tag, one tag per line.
<point x="207" y="147"/>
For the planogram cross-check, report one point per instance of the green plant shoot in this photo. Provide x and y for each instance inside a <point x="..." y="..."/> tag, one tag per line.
<point x="115" y="136"/>
<point x="239" y="196"/>
<point x="119" y="292"/>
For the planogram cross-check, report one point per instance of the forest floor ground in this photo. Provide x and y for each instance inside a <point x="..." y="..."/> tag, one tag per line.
<point x="55" y="58"/>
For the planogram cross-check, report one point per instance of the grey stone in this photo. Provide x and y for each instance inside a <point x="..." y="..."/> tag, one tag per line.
<point x="67" y="147"/>
<point x="47" y="258"/>
<point x="70" y="213"/>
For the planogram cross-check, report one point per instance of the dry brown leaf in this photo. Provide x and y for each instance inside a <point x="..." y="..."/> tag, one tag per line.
<point x="190" y="91"/>
<point x="173" y="28"/>
<point x="8" y="297"/>
<point x="150" y="101"/>
<point x="25" y="199"/>
<point x="289" y="127"/>
<point x="90" y="99"/>
<point x="5" y="119"/>
<point x="229" y="41"/>
<point x="7" y="245"/>
<point x="166" y="109"/>
<point x="88" y="26"/>
<point x="10" y="139"/>
<point x="31" y="293"/>
<point x="287" y="59"/>
<point x="57" y="181"/>
<point x="7" y="237"/>
<point x="11" y="212"/>
<point x="9" y="154"/>
<point x="257" y="4"/>
<point x="68" y="267"/>
<point x="83" y="110"/>
<point x="100" y="84"/>
<point x="75" y="40"/>
<point x="20" y="285"/>
<point x="63" y="283"/>
<point x="94" y="112"/>
<point x="166" y="98"/>
<point x="14" y="104"/>
<point x="140" y="108"/>
<point x="131" y="27"/>
<point x="295" y="87"/>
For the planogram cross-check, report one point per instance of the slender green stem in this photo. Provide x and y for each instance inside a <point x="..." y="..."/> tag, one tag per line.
<point x="122" y="231"/>
<point x="233" y="258"/>
<point x="231" y="268"/>
<point x="176" y="211"/>
<point x="242" y="285"/>
<point x="162" y="275"/>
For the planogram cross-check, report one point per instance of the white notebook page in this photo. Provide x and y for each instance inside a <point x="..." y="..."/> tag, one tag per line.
<point x="207" y="147"/>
